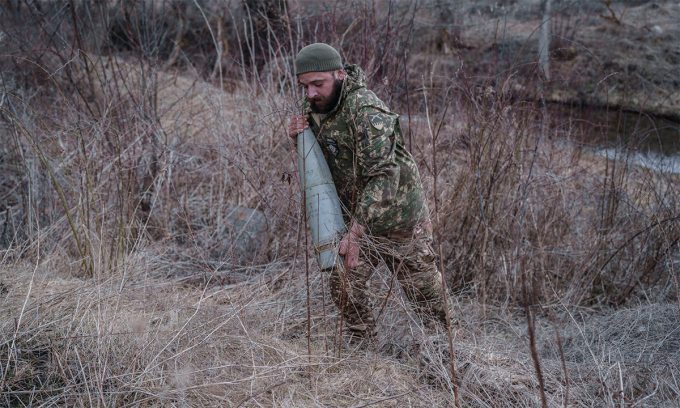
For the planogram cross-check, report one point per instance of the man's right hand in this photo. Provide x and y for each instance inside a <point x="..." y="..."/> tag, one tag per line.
<point x="349" y="246"/>
<point x="297" y="125"/>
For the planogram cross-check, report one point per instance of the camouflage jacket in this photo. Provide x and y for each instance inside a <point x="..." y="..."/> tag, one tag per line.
<point x="376" y="177"/>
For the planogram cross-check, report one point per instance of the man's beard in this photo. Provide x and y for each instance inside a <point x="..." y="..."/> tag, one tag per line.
<point x="325" y="105"/>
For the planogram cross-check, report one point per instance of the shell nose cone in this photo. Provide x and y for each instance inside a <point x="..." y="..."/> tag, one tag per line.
<point x="324" y="214"/>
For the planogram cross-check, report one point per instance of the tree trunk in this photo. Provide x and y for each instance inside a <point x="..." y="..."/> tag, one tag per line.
<point x="544" y="40"/>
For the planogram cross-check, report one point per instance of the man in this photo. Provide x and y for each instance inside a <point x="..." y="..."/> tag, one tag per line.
<point x="378" y="185"/>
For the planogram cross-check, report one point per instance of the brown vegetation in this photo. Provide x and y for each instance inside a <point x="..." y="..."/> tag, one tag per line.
<point x="129" y="130"/>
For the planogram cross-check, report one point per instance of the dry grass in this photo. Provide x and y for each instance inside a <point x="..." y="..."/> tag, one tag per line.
<point x="132" y="339"/>
<point x="119" y="284"/>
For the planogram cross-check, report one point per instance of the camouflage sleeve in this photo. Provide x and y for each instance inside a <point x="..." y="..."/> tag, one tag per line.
<point x="376" y="163"/>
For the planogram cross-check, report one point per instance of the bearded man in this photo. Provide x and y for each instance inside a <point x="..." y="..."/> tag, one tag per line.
<point x="378" y="185"/>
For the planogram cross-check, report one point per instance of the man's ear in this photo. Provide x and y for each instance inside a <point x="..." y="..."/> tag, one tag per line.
<point x="340" y="74"/>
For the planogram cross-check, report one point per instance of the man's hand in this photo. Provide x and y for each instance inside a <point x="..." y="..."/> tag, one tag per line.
<point x="349" y="246"/>
<point x="297" y="125"/>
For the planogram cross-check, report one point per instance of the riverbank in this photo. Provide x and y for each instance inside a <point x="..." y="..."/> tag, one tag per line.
<point x="624" y="56"/>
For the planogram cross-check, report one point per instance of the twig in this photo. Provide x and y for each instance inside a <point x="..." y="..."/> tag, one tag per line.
<point x="444" y="294"/>
<point x="251" y="396"/>
<point x="386" y="399"/>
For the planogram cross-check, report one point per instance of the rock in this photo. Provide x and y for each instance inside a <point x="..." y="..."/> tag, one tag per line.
<point x="565" y="53"/>
<point x="244" y="236"/>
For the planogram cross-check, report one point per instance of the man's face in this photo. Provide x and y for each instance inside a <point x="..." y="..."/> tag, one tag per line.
<point x="322" y="89"/>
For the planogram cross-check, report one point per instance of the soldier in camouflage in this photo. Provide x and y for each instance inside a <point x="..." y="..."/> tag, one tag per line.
<point x="378" y="185"/>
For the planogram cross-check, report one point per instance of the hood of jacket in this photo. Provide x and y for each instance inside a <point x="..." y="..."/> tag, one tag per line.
<point x="355" y="78"/>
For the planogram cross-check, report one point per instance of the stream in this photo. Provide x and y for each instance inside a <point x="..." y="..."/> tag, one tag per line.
<point x="637" y="138"/>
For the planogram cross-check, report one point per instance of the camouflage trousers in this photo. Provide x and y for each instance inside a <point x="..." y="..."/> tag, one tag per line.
<point x="413" y="261"/>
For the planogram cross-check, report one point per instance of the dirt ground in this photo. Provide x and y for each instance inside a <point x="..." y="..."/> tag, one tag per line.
<point x="626" y="55"/>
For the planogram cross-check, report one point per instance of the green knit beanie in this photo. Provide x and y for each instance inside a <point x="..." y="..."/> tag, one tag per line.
<point x="317" y="57"/>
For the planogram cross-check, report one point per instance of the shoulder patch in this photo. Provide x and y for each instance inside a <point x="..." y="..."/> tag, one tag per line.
<point x="332" y="146"/>
<point x="378" y="120"/>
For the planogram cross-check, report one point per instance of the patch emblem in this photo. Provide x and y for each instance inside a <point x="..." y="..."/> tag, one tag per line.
<point x="333" y="146"/>
<point x="377" y="120"/>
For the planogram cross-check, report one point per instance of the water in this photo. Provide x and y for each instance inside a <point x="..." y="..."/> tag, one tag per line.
<point x="650" y="159"/>
<point x="644" y="133"/>
<point x="636" y="138"/>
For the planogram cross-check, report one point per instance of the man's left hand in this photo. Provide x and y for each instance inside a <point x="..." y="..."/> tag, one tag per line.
<point x="349" y="246"/>
<point x="297" y="125"/>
